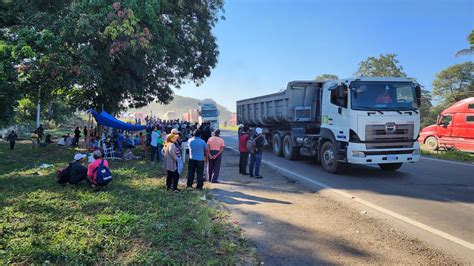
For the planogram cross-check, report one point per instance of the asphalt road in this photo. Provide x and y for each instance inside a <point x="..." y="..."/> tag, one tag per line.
<point x="434" y="193"/>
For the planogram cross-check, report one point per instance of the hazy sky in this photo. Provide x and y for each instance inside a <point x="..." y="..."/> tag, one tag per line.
<point x="264" y="44"/>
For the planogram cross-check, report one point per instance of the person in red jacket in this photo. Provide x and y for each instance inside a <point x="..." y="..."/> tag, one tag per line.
<point x="244" y="153"/>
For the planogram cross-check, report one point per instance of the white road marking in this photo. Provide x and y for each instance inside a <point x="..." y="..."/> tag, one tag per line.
<point x="446" y="161"/>
<point x="405" y="219"/>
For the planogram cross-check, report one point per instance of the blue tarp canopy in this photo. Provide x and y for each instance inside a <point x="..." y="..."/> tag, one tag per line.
<point x="107" y="120"/>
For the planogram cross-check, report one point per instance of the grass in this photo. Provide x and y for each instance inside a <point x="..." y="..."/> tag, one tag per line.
<point x="133" y="220"/>
<point x="453" y="155"/>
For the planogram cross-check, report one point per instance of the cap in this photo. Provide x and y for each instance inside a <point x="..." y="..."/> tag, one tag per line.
<point x="79" y="156"/>
<point x="174" y="131"/>
<point x="241" y="125"/>
<point x="258" y="130"/>
<point x="97" y="153"/>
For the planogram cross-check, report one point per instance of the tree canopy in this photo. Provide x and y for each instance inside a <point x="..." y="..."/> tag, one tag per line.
<point x="455" y="83"/>
<point x="386" y="65"/>
<point x="470" y="50"/>
<point x="104" y="53"/>
<point x="325" y="77"/>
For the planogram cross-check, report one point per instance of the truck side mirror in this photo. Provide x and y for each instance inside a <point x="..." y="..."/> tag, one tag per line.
<point x="341" y="95"/>
<point x="418" y="95"/>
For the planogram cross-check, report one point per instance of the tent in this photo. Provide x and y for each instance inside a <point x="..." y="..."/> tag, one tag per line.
<point x="107" y="120"/>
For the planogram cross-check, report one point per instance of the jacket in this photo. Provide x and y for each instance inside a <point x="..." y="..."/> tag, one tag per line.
<point x="243" y="138"/>
<point x="170" y="157"/>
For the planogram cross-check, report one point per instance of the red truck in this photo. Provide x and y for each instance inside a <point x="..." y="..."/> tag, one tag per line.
<point x="454" y="128"/>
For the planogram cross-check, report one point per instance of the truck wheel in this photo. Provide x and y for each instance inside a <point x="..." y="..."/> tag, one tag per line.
<point x="328" y="155"/>
<point x="276" y="143"/>
<point x="431" y="143"/>
<point x="290" y="152"/>
<point x="390" y="166"/>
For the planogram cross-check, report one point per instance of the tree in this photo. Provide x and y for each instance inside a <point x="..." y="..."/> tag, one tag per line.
<point x="427" y="116"/>
<point x="115" y="55"/>
<point x="385" y="66"/>
<point x="325" y="77"/>
<point x="468" y="51"/>
<point x="454" y="83"/>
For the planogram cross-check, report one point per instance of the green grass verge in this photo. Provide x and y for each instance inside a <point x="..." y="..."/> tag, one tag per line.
<point x="453" y="155"/>
<point x="133" y="220"/>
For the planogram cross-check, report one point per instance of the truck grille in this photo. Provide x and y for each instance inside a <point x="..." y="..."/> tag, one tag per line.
<point x="389" y="136"/>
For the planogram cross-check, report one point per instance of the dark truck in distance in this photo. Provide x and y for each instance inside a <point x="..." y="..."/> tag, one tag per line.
<point x="341" y="122"/>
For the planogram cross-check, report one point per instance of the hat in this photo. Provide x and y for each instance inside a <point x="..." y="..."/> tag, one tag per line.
<point x="258" y="130"/>
<point x="172" y="137"/>
<point x="79" y="156"/>
<point x="97" y="153"/>
<point x="174" y="131"/>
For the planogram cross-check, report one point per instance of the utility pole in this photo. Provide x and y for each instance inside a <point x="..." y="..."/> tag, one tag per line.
<point x="38" y="108"/>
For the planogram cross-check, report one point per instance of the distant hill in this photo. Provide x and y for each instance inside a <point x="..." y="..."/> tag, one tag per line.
<point x="180" y="105"/>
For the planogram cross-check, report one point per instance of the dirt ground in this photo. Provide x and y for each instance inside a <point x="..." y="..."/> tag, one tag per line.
<point x="292" y="224"/>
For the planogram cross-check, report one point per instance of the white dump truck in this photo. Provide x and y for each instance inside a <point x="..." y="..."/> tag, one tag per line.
<point x="208" y="112"/>
<point x="341" y="122"/>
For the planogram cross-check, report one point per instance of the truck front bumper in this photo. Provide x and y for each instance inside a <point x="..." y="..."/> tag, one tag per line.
<point x="357" y="153"/>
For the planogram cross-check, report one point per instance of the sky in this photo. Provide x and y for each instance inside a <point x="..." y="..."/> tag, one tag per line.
<point x="264" y="44"/>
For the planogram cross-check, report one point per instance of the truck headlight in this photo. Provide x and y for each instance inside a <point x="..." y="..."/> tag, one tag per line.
<point x="358" y="154"/>
<point x="416" y="152"/>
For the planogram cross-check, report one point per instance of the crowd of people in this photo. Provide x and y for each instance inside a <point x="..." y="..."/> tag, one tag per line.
<point x="165" y="141"/>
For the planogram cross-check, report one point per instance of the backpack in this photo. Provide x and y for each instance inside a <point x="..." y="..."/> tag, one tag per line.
<point x="102" y="174"/>
<point x="62" y="175"/>
<point x="252" y="144"/>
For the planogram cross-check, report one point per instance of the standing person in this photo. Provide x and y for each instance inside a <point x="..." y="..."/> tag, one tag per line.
<point x="206" y="131"/>
<point x="171" y="157"/>
<point x="215" y="147"/>
<point x="143" y="145"/>
<point x="86" y="136"/>
<point x="256" y="154"/>
<point x="40" y="133"/>
<point x="155" y="136"/>
<point x="197" y="151"/>
<point x="244" y="152"/>
<point x="77" y="135"/>
<point x="12" y="137"/>
<point x="34" y="139"/>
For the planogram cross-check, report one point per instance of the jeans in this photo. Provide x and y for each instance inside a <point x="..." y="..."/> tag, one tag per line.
<point x="156" y="151"/>
<point x="255" y="160"/>
<point x="172" y="179"/>
<point x="243" y="161"/>
<point x="12" y="145"/>
<point x="214" y="167"/>
<point x="195" y="166"/>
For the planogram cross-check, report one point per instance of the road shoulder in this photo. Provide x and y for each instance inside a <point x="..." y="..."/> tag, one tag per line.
<point x="290" y="223"/>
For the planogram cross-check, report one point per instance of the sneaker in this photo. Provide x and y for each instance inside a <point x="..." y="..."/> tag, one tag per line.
<point x="215" y="182"/>
<point x="176" y="191"/>
<point x="259" y="177"/>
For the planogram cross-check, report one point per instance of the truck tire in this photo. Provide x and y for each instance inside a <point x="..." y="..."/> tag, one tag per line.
<point x="431" y="143"/>
<point x="276" y="144"/>
<point x="390" y="166"/>
<point x="289" y="151"/>
<point x="328" y="155"/>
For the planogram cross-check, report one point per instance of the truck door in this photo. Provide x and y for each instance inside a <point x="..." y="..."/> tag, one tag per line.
<point x="337" y="114"/>
<point x="445" y="127"/>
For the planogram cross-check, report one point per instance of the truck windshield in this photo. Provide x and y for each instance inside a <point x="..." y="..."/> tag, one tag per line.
<point x="209" y="113"/>
<point x="383" y="96"/>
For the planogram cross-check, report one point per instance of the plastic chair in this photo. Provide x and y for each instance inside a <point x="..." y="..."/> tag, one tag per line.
<point x="108" y="152"/>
